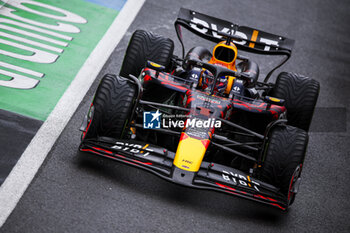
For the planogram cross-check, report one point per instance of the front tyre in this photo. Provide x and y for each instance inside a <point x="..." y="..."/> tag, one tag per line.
<point x="284" y="158"/>
<point x="111" y="108"/>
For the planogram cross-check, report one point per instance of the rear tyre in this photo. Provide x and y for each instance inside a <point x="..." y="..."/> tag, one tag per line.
<point x="284" y="159"/>
<point x="300" y="95"/>
<point x="145" y="46"/>
<point x="111" y="108"/>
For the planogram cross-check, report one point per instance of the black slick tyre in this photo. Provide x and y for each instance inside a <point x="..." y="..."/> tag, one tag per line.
<point x="300" y="94"/>
<point x="284" y="158"/>
<point x="111" y="108"/>
<point x="145" y="46"/>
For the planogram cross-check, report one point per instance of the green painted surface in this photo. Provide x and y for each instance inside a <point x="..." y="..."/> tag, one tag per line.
<point x="41" y="100"/>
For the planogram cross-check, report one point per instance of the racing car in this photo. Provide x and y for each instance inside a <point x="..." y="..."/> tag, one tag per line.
<point x="204" y="119"/>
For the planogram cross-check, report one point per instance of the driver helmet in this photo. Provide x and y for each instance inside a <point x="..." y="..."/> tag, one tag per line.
<point x="208" y="82"/>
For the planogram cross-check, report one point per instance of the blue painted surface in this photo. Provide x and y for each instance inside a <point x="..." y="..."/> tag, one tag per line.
<point x="113" y="4"/>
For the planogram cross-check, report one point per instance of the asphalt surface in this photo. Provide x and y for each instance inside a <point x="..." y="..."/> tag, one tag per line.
<point x="16" y="131"/>
<point x="77" y="192"/>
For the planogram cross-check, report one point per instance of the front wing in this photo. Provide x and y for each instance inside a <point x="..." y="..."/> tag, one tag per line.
<point x="211" y="176"/>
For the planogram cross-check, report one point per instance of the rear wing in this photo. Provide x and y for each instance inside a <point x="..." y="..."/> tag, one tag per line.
<point x="246" y="38"/>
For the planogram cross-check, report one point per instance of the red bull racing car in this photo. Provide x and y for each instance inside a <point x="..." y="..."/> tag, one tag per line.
<point x="205" y="120"/>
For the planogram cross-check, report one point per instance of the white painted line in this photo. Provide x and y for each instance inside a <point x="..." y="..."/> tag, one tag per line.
<point x="3" y="3"/>
<point x="21" y="69"/>
<point x="27" y="166"/>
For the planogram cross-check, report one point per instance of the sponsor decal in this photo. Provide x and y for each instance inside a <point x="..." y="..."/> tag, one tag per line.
<point x="238" y="179"/>
<point x="208" y="99"/>
<point x="197" y="133"/>
<point x="187" y="161"/>
<point x="132" y="147"/>
<point x="204" y="27"/>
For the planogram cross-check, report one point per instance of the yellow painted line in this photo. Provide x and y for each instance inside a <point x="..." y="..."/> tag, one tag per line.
<point x="254" y="37"/>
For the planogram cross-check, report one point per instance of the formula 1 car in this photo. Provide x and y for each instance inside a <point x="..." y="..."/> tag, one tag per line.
<point x="204" y="120"/>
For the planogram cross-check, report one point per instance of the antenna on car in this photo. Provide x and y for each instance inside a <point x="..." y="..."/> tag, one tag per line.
<point x="230" y="37"/>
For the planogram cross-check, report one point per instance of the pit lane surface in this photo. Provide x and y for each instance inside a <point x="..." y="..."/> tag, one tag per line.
<point x="77" y="192"/>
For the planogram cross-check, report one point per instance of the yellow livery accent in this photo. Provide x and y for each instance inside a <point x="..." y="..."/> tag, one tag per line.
<point x="229" y="84"/>
<point x="275" y="99"/>
<point x="144" y="148"/>
<point x="154" y="64"/>
<point x="189" y="154"/>
<point x="230" y="65"/>
<point x="254" y="37"/>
